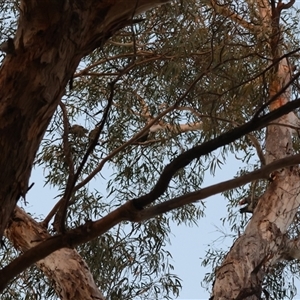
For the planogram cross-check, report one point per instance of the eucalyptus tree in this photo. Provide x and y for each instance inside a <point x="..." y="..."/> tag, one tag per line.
<point x="123" y="105"/>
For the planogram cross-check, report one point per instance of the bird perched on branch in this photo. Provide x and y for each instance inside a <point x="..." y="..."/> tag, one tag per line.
<point x="78" y="131"/>
<point x="250" y="202"/>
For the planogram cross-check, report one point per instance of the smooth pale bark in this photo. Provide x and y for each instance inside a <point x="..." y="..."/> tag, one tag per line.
<point x="264" y="241"/>
<point x="51" y="38"/>
<point x="65" y="268"/>
<point x="177" y="129"/>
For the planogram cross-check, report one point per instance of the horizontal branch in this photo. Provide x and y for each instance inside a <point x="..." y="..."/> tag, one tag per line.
<point x="127" y="212"/>
<point x="130" y="210"/>
<point x="122" y="10"/>
<point x="72" y="238"/>
<point x="218" y="188"/>
<point x="196" y="152"/>
<point x="177" y="128"/>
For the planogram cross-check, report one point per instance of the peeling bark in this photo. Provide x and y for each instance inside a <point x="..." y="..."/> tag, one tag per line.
<point x="261" y="245"/>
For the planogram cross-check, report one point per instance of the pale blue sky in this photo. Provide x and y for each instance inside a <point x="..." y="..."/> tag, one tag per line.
<point x="188" y="244"/>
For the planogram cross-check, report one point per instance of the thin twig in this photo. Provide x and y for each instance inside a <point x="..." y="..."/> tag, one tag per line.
<point x="141" y="133"/>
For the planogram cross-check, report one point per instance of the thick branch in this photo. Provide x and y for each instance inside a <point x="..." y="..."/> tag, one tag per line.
<point x="50" y="40"/>
<point x="187" y="157"/>
<point x="128" y="211"/>
<point x="70" y="239"/>
<point x="71" y="278"/>
<point x="264" y="237"/>
<point x="204" y="193"/>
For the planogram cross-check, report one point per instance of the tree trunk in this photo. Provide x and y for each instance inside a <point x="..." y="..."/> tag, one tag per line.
<point x="65" y="268"/>
<point x="51" y="38"/>
<point x="264" y="241"/>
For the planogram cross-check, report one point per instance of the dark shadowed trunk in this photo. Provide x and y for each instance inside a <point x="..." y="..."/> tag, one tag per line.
<point x="51" y="38"/>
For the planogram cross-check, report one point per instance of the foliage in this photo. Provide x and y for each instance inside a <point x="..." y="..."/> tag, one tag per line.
<point x="216" y="72"/>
